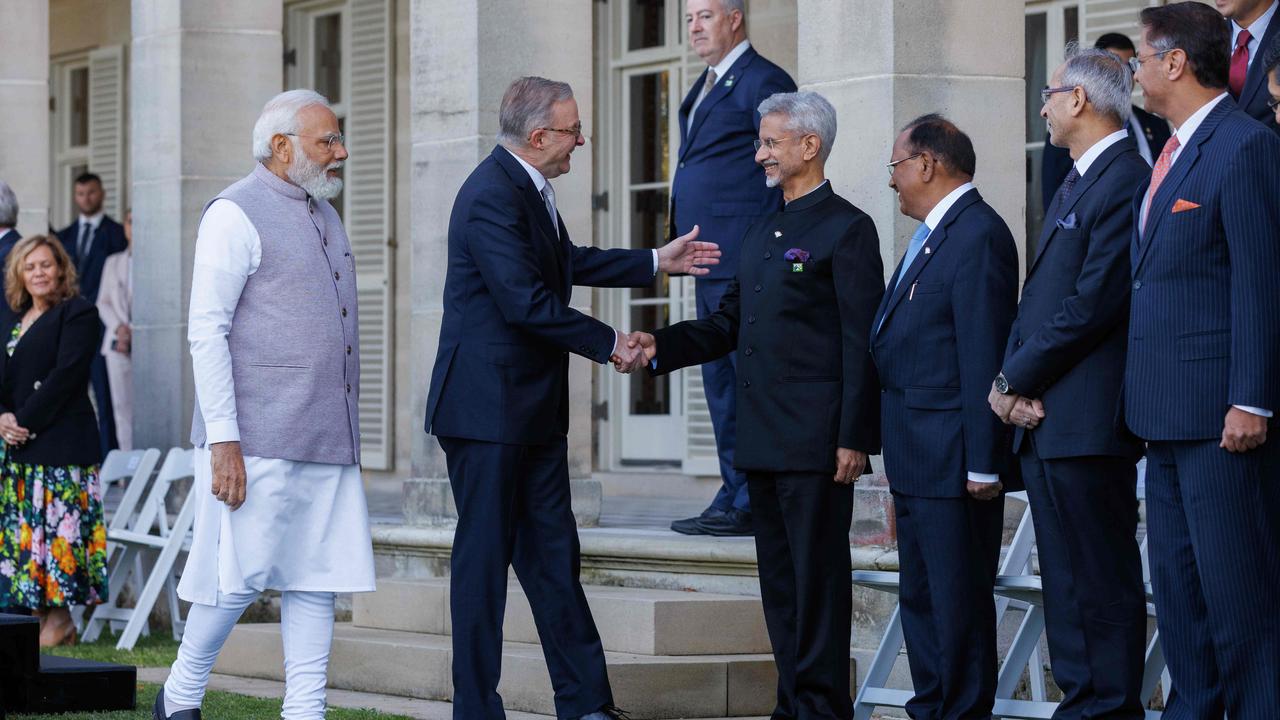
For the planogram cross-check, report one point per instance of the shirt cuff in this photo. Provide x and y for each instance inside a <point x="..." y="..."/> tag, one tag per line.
<point x="987" y="478"/>
<point x="1254" y="410"/>
<point x="655" y="262"/>
<point x="217" y="431"/>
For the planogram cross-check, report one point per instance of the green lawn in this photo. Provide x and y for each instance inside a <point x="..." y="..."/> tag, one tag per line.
<point x="159" y="650"/>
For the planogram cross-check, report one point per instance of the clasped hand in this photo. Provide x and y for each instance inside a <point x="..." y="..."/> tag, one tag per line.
<point x="1016" y="409"/>
<point x="634" y="351"/>
<point x="13" y="433"/>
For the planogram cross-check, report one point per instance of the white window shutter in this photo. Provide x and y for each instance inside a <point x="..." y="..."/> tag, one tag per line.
<point x="368" y="221"/>
<point x="1099" y="17"/>
<point x="107" y="124"/>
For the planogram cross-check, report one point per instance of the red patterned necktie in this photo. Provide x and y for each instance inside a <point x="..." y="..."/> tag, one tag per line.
<point x="1157" y="176"/>
<point x="1239" y="64"/>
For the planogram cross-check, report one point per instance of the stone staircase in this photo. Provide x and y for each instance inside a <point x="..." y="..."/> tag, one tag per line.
<point x="671" y="654"/>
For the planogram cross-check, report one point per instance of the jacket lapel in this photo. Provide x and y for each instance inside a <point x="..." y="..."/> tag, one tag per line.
<point x="927" y="252"/>
<point x="1167" y="193"/>
<point x="533" y="202"/>
<point x="1255" y="79"/>
<point x="720" y="91"/>
<point x="1056" y="213"/>
<point x="685" y="107"/>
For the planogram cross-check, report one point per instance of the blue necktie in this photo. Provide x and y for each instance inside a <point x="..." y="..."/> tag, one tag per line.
<point x="913" y="249"/>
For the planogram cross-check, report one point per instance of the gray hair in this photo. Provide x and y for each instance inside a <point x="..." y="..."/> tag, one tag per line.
<point x="807" y="112"/>
<point x="1106" y="79"/>
<point x="526" y="106"/>
<point x="280" y="117"/>
<point x="8" y="206"/>
<point x="730" y="5"/>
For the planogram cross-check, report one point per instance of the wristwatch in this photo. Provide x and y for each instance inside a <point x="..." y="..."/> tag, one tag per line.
<point x="1002" y="385"/>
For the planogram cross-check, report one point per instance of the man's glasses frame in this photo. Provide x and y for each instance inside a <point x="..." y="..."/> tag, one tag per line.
<point x="329" y="140"/>
<point x="891" y="166"/>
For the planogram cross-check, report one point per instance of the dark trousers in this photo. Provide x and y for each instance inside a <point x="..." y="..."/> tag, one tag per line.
<point x="948" y="553"/>
<point x="513" y="511"/>
<point x="102" y="398"/>
<point x="1213" y="519"/>
<point x="802" y="549"/>
<point x="720" y="384"/>
<point x="1085" y="511"/>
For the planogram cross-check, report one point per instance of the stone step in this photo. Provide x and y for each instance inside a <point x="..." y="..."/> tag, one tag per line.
<point x="418" y="665"/>
<point x="630" y="620"/>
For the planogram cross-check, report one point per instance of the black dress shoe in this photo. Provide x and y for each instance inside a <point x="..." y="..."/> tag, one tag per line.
<point x="731" y="524"/>
<point x="157" y="711"/>
<point x="689" y="526"/>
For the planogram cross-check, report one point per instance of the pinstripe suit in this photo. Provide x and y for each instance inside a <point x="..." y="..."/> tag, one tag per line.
<point x="1203" y="336"/>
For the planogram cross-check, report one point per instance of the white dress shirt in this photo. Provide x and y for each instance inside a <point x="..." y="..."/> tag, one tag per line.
<point x="932" y="220"/>
<point x="1257" y="31"/>
<point x="1139" y="134"/>
<point x="1086" y="160"/>
<point x="303" y="525"/>
<point x="93" y="221"/>
<point x="720" y="69"/>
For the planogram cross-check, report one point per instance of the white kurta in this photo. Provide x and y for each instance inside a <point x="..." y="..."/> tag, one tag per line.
<point x="303" y="526"/>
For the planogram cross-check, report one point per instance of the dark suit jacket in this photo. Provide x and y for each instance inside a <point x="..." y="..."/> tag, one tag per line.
<point x="501" y="371"/>
<point x="1203" y="334"/>
<point x="1056" y="162"/>
<point x="1254" y="96"/>
<point x="939" y="349"/>
<point x="108" y="239"/>
<point x="806" y="384"/>
<point x="46" y="383"/>
<point x="7" y="241"/>
<point x="718" y="185"/>
<point x="1068" y="341"/>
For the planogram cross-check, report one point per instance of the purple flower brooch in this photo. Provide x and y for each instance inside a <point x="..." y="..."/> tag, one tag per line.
<point x="798" y="258"/>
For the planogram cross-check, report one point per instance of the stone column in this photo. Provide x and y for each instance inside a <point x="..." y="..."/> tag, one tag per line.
<point x="464" y="54"/>
<point x="24" y="110"/>
<point x="200" y="74"/>
<point x="884" y="62"/>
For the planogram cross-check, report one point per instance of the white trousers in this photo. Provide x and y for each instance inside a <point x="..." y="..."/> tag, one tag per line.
<point x="307" y="629"/>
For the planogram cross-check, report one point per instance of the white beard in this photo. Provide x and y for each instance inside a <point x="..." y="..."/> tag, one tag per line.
<point x="312" y="177"/>
<point x="772" y="181"/>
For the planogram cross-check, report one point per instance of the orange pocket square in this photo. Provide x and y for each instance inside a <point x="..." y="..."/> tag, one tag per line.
<point x="1184" y="205"/>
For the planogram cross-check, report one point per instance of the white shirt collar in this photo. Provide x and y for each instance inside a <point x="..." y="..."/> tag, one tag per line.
<point x="539" y="181"/>
<point x="1082" y="165"/>
<point x="936" y="214"/>
<point x="1257" y="30"/>
<point x="1192" y="123"/>
<point x="810" y="192"/>
<point x="727" y="61"/>
<point x="93" y="221"/>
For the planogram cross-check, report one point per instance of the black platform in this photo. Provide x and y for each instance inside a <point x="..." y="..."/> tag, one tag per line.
<point x="35" y="683"/>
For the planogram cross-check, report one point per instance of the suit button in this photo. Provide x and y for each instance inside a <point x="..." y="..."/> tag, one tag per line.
<point x="1137" y="284"/>
<point x="325" y="241"/>
<point x="348" y="387"/>
<point x="336" y="276"/>
<point x="759" y="287"/>
<point x="681" y="164"/>
<point x="751" y="319"/>
<point x="37" y="385"/>
<point x="344" y="312"/>
<point x="1019" y="343"/>
<point x="748" y="351"/>
<point x="348" y="349"/>
<point x="746" y="383"/>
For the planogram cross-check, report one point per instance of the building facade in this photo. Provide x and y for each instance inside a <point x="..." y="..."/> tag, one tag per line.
<point x="159" y="98"/>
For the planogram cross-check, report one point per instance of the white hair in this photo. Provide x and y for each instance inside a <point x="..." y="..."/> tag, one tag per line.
<point x="1106" y="79"/>
<point x="807" y="112"/>
<point x="8" y="206"/>
<point x="526" y="106"/>
<point x="280" y="117"/>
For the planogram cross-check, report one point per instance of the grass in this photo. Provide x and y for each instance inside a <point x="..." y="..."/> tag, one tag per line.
<point x="159" y="650"/>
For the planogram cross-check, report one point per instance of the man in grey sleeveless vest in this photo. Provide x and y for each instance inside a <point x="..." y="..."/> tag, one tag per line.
<point x="273" y="335"/>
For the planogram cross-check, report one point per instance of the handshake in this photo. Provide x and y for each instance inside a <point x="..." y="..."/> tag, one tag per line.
<point x="633" y="351"/>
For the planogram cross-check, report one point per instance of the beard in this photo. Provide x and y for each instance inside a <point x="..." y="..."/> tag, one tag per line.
<point x="773" y="181"/>
<point x="313" y="177"/>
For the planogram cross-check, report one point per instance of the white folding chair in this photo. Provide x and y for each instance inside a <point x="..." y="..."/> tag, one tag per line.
<point x="149" y="533"/>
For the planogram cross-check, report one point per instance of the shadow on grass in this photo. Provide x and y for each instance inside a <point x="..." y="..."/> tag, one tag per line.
<point x="216" y="705"/>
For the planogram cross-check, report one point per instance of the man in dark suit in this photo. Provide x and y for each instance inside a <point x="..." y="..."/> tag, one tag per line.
<point x="1203" y="375"/>
<point x="89" y="240"/>
<point x="499" y="400"/>
<point x="719" y="188"/>
<point x="1148" y="132"/>
<point x="1272" y="64"/>
<point x="939" y="338"/>
<point x="1066" y="351"/>
<point x="798" y="315"/>
<point x="8" y="225"/>
<point x="1254" y="31"/>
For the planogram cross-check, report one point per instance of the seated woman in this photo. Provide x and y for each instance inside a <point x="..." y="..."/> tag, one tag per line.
<point x="53" y="546"/>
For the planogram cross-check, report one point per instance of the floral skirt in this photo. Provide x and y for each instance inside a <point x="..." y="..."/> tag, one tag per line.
<point x="53" y="543"/>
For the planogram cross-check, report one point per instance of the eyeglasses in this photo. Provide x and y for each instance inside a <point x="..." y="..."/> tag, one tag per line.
<point x="894" y="165"/>
<point x="1135" y="62"/>
<point x="771" y="143"/>
<point x="575" y="131"/>
<point x="1045" y="93"/>
<point x="329" y="140"/>
<point x="1273" y="103"/>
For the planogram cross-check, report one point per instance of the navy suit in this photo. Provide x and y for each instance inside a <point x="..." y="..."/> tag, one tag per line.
<point x="1056" y="162"/>
<point x="7" y="241"/>
<point x="1203" y="336"/>
<point x="107" y="240"/>
<point x="499" y="405"/>
<point x="1067" y="347"/>
<point x="719" y="187"/>
<point x="1254" y="96"/>
<point x="940" y="345"/>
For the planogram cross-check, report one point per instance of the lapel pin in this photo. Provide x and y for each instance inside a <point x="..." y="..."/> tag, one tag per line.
<point x="928" y="250"/>
<point x="777" y="233"/>
<point x="728" y="82"/>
